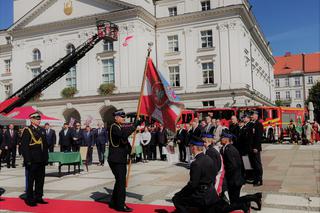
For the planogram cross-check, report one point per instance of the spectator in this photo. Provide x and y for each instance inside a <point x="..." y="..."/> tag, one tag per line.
<point x="101" y="139"/>
<point x="65" y="138"/>
<point x="153" y="144"/>
<point x="77" y="137"/>
<point x="162" y="141"/>
<point x="181" y="140"/>
<point x="51" y="137"/>
<point x="88" y="142"/>
<point x="145" y="140"/>
<point x="10" y="144"/>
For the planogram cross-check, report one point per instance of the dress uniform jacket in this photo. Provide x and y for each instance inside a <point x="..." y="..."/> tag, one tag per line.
<point x="34" y="152"/>
<point x="215" y="156"/>
<point x="119" y="147"/>
<point x="257" y="135"/>
<point x="245" y="139"/>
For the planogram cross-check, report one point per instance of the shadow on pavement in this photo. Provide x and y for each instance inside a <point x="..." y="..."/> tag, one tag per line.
<point x="105" y="197"/>
<point x="184" y="165"/>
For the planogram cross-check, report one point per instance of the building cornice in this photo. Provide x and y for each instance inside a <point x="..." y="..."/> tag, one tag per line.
<point x="6" y="48"/>
<point x="240" y="11"/>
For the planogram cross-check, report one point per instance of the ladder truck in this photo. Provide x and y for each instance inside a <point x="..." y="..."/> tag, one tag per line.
<point x="106" y="31"/>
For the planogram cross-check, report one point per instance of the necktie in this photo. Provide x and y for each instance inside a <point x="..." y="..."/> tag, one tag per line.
<point x="11" y="133"/>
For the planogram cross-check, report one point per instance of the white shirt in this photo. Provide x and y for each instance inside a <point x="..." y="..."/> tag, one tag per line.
<point x="145" y="136"/>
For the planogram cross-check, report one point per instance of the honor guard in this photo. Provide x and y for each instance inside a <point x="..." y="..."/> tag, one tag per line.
<point x="35" y="155"/>
<point x="119" y="149"/>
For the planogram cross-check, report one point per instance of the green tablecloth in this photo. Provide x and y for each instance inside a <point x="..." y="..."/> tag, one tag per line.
<point x="65" y="157"/>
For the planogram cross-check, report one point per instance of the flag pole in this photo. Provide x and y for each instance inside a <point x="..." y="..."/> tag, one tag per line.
<point x="138" y="110"/>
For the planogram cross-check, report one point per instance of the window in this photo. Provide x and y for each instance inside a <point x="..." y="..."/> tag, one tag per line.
<point x="107" y="45"/>
<point x="277" y="83"/>
<point x="72" y="74"/>
<point x="298" y="94"/>
<point x="208" y="103"/>
<point x="205" y="5"/>
<point x="108" y="71"/>
<point x="297" y="81"/>
<point x="288" y="95"/>
<point x="278" y="95"/>
<point x="207" y="73"/>
<point x="310" y="80"/>
<point x="172" y="11"/>
<point x="8" y="39"/>
<point x="8" y="89"/>
<point x="298" y="105"/>
<point x="36" y="55"/>
<point x="206" y="39"/>
<point x="173" y="43"/>
<point x="287" y="82"/>
<point x="7" y="65"/>
<point x="174" y="75"/>
<point x="35" y="72"/>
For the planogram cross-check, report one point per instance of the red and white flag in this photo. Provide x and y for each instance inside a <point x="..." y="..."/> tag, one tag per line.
<point x="159" y="99"/>
<point x="126" y="40"/>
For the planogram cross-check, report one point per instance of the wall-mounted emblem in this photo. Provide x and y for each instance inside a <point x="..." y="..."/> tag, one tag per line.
<point x="68" y="7"/>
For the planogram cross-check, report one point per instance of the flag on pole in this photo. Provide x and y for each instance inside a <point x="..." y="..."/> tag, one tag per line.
<point x="159" y="99"/>
<point x="126" y="40"/>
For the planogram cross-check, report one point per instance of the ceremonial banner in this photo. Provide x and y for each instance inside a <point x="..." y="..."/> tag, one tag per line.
<point x="159" y="99"/>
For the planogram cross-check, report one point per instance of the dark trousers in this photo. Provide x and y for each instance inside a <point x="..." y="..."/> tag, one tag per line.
<point x="51" y="148"/>
<point x="75" y="148"/>
<point x="35" y="176"/>
<point x="184" y="202"/>
<point x="234" y="193"/>
<point x="64" y="148"/>
<point x="119" y="171"/>
<point x="162" y="156"/>
<point x="11" y="156"/>
<point x="89" y="154"/>
<point x="182" y="152"/>
<point x="145" y="151"/>
<point x="101" y="149"/>
<point x="255" y="160"/>
<point x="152" y="152"/>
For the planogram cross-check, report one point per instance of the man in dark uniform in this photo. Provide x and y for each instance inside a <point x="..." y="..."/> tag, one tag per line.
<point x="233" y="167"/>
<point x="255" y="151"/>
<point x="119" y="149"/>
<point x="200" y="191"/>
<point x="211" y="151"/>
<point x="35" y="155"/>
<point x="10" y="143"/>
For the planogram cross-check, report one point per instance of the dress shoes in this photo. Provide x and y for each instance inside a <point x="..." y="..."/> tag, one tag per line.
<point x="41" y="201"/>
<point x="124" y="209"/>
<point x="258" y="183"/>
<point x="30" y="203"/>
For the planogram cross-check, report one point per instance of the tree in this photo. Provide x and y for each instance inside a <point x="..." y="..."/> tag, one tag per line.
<point x="314" y="97"/>
<point x="279" y="103"/>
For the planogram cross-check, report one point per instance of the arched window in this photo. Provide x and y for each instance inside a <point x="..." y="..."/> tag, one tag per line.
<point x="298" y="105"/>
<point x="72" y="74"/>
<point x="36" y="55"/>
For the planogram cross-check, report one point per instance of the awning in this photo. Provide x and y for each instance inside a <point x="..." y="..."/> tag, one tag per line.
<point x="22" y="113"/>
<point x="4" y="121"/>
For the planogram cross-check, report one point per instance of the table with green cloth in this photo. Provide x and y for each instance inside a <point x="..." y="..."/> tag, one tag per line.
<point x="66" y="158"/>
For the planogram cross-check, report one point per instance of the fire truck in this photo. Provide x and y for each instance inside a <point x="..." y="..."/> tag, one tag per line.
<point x="106" y="31"/>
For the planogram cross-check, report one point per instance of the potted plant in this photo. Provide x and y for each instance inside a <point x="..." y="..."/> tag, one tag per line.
<point x="69" y="92"/>
<point x="106" y="88"/>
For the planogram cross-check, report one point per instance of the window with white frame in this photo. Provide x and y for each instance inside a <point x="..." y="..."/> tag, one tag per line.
<point x="7" y="65"/>
<point x="173" y="43"/>
<point x="298" y="94"/>
<point x="288" y="95"/>
<point x="107" y="45"/>
<point x="71" y="78"/>
<point x="35" y="72"/>
<point x="277" y="83"/>
<point x="174" y="75"/>
<point x="172" y="11"/>
<point x="310" y="79"/>
<point x="206" y="39"/>
<point x="8" y="89"/>
<point x="205" y="5"/>
<point x="207" y="73"/>
<point x="278" y="95"/>
<point x="108" y="71"/>
<point x="297" y="81"/>
<point x="287" y="82"/>
<point x="208" y="103"/>
<point x="36" y="55"/>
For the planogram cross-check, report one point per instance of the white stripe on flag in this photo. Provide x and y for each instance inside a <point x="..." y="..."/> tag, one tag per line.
<point x="147" y="90"/>
<point x="175" y="109"/>
<point x="157" y="114"/>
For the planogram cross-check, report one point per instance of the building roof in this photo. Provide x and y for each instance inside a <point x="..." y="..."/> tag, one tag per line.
<point x="290" y="64"/>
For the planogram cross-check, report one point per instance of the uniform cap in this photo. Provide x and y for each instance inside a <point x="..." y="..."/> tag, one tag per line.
<point x="35" y="115"/>
<point x="207" y="135"/>
<point x="227" y="135"/>
<point x="119" y="112"/>
<point x="197" y="143"/>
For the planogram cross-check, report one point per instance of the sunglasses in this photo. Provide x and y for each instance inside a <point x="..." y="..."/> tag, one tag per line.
<point x="37" y="118"/>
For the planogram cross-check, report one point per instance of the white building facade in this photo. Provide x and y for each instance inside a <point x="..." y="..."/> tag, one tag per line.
<point x="212" y="52"/>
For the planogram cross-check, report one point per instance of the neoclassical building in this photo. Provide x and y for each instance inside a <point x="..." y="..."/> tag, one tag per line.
<point x="212" y="52"/>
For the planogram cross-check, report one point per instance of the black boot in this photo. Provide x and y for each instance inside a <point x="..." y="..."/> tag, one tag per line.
<point x="257" y="199"/>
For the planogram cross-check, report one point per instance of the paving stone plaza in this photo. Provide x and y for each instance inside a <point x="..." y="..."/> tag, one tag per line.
<point x="291" y="181"/>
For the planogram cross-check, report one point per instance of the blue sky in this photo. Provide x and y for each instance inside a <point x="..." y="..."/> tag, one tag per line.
<point x="290" y="25"/>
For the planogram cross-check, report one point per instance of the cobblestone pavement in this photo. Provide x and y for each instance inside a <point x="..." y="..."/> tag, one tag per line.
<point x="291" y="181"/>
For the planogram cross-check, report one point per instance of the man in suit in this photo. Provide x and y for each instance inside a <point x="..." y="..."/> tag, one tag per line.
<point x="35" y="155"/>
<point x="235" y="129"/>
<point x="51" y="137"/>
<point x="211" y="151"/>
<point x="255" y="149"/>
<point x="209" y="128"/>
<point x="119" y="149"/>
<point x="101" y="138"/>
<point x="162" y="137"/>
<point x="181" y="139"/>
<point x="195" y="130"/>
<point x="65" y="138"/>
<point x="10" y="144"/>
<point x="200" y="191"/>
<point x="77" y="138"/>
<point x="88" y="141"/>
<point x="233" y="167"/>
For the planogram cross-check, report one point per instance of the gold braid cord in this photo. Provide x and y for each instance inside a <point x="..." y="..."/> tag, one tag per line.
<point x="111" y="134"/>
<point x="35" y="141"/>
